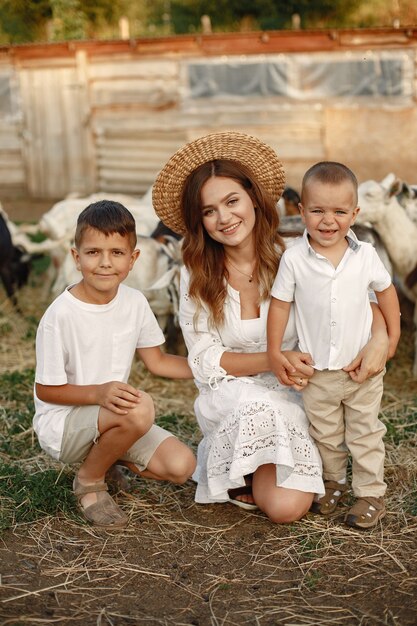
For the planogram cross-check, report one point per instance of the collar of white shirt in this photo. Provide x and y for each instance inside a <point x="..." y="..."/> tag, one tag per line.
<point x="351" y="238"/>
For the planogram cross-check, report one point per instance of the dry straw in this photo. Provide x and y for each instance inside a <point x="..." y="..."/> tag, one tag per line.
<point x="180" y="563"/>
<point x="250" y="151"/>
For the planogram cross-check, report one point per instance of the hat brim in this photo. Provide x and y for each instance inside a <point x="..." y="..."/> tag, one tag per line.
<point x="256" y="155"/>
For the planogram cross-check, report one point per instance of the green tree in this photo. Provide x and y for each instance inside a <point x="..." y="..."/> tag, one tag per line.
<point x="23" y="20"/>
<point x="27" y="20"/>
<point x="185" y="15"/>
<point x="68" y="20"/>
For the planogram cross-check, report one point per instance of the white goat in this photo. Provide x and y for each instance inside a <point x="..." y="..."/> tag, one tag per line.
<point x="380" y="207"/>
<point x="406" y="194"/>
<point x="59" y="222"/>
<point x="20" y="238"/>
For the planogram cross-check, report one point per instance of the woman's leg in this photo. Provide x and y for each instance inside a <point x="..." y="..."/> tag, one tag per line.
<point x="172" y="461"/>
<point x="279" y="504"/>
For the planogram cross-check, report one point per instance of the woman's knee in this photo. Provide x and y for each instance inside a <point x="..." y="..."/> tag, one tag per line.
<point x="288" y="509"/>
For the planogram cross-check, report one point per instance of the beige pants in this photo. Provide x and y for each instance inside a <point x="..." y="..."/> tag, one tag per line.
<point x="344" y="418"/>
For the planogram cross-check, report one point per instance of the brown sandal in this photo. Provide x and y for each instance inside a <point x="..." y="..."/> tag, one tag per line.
<point x="327" y="504"/>
<point x="104" y="513"/>
<point x="366" y="512"/>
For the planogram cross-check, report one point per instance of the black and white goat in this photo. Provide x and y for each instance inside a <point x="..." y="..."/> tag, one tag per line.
<point x="15" y="263"/>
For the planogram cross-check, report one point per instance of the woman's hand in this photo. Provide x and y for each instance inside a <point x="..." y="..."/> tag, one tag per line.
<point x="370" y="360"/>
<point x="302" y="362"/>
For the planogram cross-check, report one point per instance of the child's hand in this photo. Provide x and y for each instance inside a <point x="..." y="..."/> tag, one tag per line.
<point x="282" y="368"/>
<point x="118" y="397"/>
<point x="304" y="370"/>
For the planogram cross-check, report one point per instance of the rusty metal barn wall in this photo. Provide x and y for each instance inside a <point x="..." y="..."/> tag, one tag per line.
<point x="140" y="116"/>
<point x="135" y="106"/>
<point x="98" y="117"/>
<point x="12" y="168"/>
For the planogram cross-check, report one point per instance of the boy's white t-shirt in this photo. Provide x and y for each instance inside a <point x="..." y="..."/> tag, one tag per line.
<point x="87" y="344"/>
<point x="333" y="315"/>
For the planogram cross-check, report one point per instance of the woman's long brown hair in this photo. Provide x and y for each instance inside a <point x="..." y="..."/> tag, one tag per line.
<point x="205" y="258"/>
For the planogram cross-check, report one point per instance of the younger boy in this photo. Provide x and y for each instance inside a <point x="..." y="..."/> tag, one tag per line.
<point x="86" y="412"/>
<point x="328" y="273"/>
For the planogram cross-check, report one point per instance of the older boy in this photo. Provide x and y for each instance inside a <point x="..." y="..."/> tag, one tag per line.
<point x="328" y="273"/>
<point x="86" y="412"/>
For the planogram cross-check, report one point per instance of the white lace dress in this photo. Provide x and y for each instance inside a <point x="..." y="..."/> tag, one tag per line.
<point x="246" y="421"/>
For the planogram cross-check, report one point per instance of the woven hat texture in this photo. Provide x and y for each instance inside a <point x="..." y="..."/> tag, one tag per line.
<point x="256" y="155"/>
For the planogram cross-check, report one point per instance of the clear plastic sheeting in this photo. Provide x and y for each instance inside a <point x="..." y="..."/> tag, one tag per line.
<point x="353" y="77"/>
<point x="304" y="77"/>
<point x="233" y="77"/>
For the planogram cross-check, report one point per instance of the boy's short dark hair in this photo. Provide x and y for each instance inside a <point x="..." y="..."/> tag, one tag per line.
<point x="108" y="217"/>
<point x="331" y="173"/>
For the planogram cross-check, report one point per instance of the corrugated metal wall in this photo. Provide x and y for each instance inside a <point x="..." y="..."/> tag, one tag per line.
<point x="141" y="115"/>
<point x="12" y="168"/>
<point x="81" y="123"/>
<point x="56" y="130"/>
<point x="135" y="108"/>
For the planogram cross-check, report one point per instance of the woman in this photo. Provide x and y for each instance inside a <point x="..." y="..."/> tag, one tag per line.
<point x="220" y="191"/>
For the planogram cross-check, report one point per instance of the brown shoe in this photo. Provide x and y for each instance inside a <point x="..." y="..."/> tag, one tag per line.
<point x="327" y="504"/>
<point x="366" y="512"/>
<point x="104" y="513"/>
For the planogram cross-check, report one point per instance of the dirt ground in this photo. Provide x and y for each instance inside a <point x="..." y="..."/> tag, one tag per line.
<point x="181" y="564"/>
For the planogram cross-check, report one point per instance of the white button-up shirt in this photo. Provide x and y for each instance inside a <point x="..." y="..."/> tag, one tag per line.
<point x="333" y="314"/>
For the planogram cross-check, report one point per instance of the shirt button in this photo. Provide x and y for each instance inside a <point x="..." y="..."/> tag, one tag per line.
<point x="333" y="323"/>
<point x="333" y="299"/>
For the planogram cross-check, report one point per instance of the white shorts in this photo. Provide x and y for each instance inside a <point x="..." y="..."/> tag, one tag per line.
<point x="81" y="432"/>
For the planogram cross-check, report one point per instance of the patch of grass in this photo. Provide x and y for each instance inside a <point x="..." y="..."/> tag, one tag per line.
<point x="37" y="237"/>
<point x="28" y="496"/>
<point x="15" y="437"/>
<point x="5" y="328"/>
<point x="312" y="579"/>
<point x="224" y="586"/>
<point x="180" y="425"/>
<point x="410" y="501"/>
<point x="401" y="421"/>
<point x="40" y="265"/>
<point x="30" y="333"/>
<point x="17" y="410"/>
<point x="17" y="386"/>
<point x="309" y="546"/>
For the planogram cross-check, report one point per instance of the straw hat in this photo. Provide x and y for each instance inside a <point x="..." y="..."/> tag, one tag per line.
<point x="257" y="156"/>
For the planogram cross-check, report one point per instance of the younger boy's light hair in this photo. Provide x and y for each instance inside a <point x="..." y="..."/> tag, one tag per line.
<point x="330" y="173"/>
<point x="107" y="217"/>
